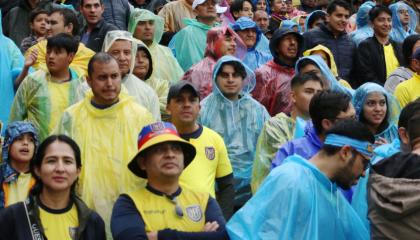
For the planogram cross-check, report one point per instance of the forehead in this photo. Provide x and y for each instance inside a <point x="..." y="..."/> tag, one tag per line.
<point x="58" y="148"/>
<point x="56" y="16"/>
<point x="246" y="4"/>
<point x="312" y="84"/>
<point x="375" y="96"/>
<point x="261" y="14"/>
<point x="288" y="36"/>
<point x="227" y="68"/>
<point x="340" y="10"/>
<point x="120" y="44"/>
<point x="41" y="15"/>
<point x="383" y="15"/>
<point x="91" y="2"/>
<point x="102" y="68"/>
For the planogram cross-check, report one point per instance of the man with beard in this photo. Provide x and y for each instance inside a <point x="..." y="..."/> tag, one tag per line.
<point x="303" y="194"/>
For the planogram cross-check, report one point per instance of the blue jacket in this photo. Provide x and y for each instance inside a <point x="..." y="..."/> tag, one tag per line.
<point x="341" y="47"/>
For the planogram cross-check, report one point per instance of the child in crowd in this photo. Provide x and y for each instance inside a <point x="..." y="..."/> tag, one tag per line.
<point x="39" y="24"/>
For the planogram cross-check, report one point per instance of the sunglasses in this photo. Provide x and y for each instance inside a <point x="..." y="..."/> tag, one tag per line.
<point x="178" y="208"/>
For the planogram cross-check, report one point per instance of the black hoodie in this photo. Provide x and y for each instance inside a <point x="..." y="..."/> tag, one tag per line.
<point x="274" y="42"/>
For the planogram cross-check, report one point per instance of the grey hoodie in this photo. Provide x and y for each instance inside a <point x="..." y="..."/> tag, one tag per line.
<point x="394" y="198"/>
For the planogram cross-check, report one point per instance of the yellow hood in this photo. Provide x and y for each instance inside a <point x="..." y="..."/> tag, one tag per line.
<point x="320" y="47"/>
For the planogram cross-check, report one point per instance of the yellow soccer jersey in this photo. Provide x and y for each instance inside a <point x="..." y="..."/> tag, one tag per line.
<point x="59" y="224"/>
<point x="210" y="162"/>
<point x="158" y="211"/>
<point x="408" y="91"/>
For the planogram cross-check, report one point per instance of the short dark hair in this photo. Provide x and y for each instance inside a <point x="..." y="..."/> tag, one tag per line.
<point x="315" y="16"/>
<point x="351" y="129"/>
<point x="327" y="105"/>
<point x="237" y="66"/>
<point x="414" y="128"/>
<point x="332" y="6"/>
<point x="300" y="79"/>
<point x="63" y="40"/>
<point x="36" y="12"/>
<point x="37" y="162"/>
<point x="304" y="62"/>
<point x="101" y="57"/>
<point x="407" y="49"/>
<point x="82" y="2"/>
<point x="411" y="109"/>
<point x="376" y="10"/>
<point x="69" y="16"/>
<point x="237" y="6"/>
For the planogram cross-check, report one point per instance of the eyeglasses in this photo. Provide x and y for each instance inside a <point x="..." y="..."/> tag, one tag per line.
<point x="178" y="208"/>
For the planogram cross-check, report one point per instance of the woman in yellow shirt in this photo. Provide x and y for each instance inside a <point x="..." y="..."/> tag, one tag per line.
<point x="53" y="211"/>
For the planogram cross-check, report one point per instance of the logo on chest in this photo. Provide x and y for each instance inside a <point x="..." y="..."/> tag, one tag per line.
<point x="194" y="213"/>
<point x="210" y="153"/>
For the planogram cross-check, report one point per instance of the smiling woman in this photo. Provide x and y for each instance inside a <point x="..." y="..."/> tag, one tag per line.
<point x="53" y="211"/>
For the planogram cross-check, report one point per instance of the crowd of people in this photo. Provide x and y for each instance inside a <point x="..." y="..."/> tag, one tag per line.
<point x="207" y="119"/>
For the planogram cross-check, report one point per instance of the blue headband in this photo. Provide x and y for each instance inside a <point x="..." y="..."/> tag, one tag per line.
<point x="362" y="147"/>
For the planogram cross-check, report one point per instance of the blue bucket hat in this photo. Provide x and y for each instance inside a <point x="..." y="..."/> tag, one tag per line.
<point x="13" y="131"/>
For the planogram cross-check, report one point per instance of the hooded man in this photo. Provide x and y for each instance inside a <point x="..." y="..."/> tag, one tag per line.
<point x="148" y="27"/>
<point x="273" y="78"/>
<point x="221" y="41"/>
<point x="251" y="36"/>
<point x="188" y="44"/>
<point x="122" y="47"/>
<point x="404" y="21"/>
<point x="237" y="117"/>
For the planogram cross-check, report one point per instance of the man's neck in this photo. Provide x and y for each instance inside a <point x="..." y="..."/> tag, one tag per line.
<point x="207" y="21"/>
<point x="20" y="167"/>
<point x="60" y="77"/>
<point x="168" y="187"/>
<point x="55" y="200"/>
<point x="384" y="40"/>
<point x="186" y="128"/>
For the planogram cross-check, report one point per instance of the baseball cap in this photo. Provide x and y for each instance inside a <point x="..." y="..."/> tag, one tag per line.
<point x="220" y="9"/>
<point x="199" y="2"/>
<point x="156" y="133"/>
<point x="176" y="89"/>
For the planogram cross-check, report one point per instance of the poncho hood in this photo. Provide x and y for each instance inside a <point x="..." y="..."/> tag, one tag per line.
<point x="15" y="130"/>
<point x="143" y="15"/>
<point x="277" y="36"/>
<point x="244" y="23"/>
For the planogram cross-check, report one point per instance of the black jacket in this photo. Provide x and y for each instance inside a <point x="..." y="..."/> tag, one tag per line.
<point x="342" y="48"/>
<point x="370" y="61"/>
<point x="14" y="222"/>
<point x="97" y="36"/>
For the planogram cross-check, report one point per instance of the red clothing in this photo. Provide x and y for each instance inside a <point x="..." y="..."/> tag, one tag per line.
<point x="273" y="87"/>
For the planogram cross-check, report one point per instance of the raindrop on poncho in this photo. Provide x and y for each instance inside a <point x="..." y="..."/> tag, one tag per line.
<point x="143" y="93"/>
<point x="239" y="122"/>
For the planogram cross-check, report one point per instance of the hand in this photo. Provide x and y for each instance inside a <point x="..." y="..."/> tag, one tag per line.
<point x="381" y="141"/>
<point x="152" y="235"/>
<point x="31" y="58"/>
<point x="211" y="227"/>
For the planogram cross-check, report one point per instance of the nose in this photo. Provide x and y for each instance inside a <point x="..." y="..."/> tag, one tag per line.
<point x="59" y="167"/>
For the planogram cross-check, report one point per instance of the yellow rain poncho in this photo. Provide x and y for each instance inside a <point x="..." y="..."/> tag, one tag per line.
<point x="108" y="141"/>
<point x="330" y="63"/>
<point x="79" y="63"/>
<point x="167" y="67"/>
<point x="160" y="86"/>
<point x="142" y="92"/>
<point x="42" y="101"/>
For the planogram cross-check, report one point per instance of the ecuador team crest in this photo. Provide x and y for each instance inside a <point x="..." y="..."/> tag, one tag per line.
<point x="210" y="153"/>
<point x="194" y="213"/>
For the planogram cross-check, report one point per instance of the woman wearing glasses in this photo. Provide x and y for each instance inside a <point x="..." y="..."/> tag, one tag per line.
<point x="53" y="211"/>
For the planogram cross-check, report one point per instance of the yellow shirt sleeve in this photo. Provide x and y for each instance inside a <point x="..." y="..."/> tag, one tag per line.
<point x="402" y="95"/>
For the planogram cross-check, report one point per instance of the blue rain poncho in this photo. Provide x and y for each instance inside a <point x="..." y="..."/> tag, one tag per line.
<point x="188" y="45"/>
<point x="393" y="109"/>
<point x="166" y="67"/>
<point x="253" y="58"/>
<point x="289" y="24"/>
<point x="359" y="200"/>
<point x="364" y="30"/>
<point x="267" y="4"/>
<point x="239" y="123"/>
<point x="11" y="63"/>
<point x="326" y="72"/>
<point x="297" y="201"/>
<point x="398" y="33"/>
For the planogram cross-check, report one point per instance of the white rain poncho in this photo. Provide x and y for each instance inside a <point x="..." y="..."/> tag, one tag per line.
<point x="142" y="92"/>
<point x="108" y="141"/>
<point x="239" y="123"/>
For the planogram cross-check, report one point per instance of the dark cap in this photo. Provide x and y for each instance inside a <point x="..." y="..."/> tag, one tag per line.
<point x="416" y="54"/>
<point x="176" y="89"/>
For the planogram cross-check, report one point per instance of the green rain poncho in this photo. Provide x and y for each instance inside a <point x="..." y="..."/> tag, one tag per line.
<point x="168" y="68"/>
<point x="189" y="44"/>
<point x="42" y="101"/>
<point x="142" y="92"/>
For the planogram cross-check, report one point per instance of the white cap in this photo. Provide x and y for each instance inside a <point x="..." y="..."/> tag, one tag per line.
<point x="197" y="2"/>
<point x="220" y="9"/>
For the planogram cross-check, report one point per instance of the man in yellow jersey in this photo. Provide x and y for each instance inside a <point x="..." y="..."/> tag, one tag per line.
<point x="44" y="95"/>
<point x="105" y="126"/>
<point x="378" y="56"/>
<point x="63" y="20"/>
<point x="211" y="162"/>
<point x="163" y="209"/>
<point x="408" y="91"/>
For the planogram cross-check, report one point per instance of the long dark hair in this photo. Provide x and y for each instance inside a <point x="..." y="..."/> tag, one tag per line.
<point x="37" y="162"/>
